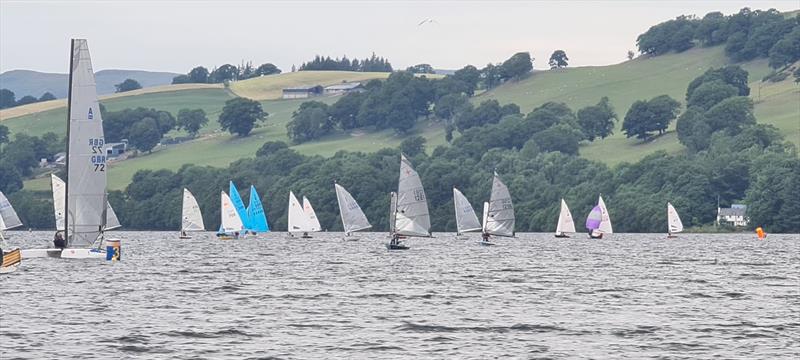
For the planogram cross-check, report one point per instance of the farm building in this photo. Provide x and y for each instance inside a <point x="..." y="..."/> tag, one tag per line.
<point x="735" y="215"/>
<point x="302" y="92"/>
<point x="344" y="88"/>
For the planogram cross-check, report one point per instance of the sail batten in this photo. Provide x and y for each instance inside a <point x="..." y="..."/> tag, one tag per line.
<point x="500" y="220"/>
<point x="191" y="217"/>
<point x="86" y="156"/>
<point x="466" y="219"/>
<point x="353" y="218"/>
<point x="411" y="216"/>
<point x="674" y="224"/>
<point x="565" y="221"/>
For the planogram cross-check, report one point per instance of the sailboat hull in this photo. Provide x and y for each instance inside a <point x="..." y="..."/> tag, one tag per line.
<point x="596" y="236"/>
<point x="561" y="236"/>
<point x="83" y="254"/>
<point x="397" y="247"/>
<point x="41" y="253"/>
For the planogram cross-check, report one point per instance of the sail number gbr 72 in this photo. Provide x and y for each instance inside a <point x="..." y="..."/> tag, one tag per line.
<point x="99" y="160"/>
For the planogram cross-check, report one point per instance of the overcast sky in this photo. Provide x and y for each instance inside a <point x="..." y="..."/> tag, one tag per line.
<point x="178" y="35"/>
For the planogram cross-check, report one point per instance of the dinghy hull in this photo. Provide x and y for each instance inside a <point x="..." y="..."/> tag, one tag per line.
<point x="561" y="236"/>
<point x="396" y="247"/>
<point x="41" y="253"/>
<point x="83" y="254"/>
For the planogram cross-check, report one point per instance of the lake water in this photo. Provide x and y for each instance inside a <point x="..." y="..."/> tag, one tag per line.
<point x="629" y="295"/>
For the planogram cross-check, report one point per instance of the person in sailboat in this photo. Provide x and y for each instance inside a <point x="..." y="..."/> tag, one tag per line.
<point x="58" y="240"/>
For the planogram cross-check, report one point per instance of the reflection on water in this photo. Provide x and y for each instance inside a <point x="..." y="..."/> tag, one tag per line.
<point x="635" y="295"/>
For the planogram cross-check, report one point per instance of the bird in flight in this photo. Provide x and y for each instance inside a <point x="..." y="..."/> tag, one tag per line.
<point x="427" y="21"/>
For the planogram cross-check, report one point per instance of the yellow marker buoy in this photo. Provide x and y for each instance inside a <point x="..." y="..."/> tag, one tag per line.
<point x="761" y="233"/>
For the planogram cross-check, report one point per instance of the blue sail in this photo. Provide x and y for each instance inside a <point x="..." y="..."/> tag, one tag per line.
<point x="255" y="212"/>
<point x="239" y="205"/>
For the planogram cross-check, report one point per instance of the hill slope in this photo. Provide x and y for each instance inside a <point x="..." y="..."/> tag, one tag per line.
<point x="27" y="82"/>
<point x="645" y="78"/>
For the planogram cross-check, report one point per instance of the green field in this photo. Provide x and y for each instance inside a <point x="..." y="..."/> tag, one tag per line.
<point x="643" y="78"/>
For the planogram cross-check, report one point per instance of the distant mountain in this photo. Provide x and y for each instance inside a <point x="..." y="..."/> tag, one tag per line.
<point x="27" y="82"/>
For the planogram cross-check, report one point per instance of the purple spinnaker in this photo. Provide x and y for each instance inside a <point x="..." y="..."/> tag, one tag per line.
<point x="594" y="219"/>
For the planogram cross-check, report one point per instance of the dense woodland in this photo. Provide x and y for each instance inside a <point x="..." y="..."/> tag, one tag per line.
<point x="326" y="63"/>
<point x="729" y="156"/>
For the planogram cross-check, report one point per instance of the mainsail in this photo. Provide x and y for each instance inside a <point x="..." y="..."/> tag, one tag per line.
<point x="59" y="196"/>
<point x="411" y="214"/>
<point x="191" y="217"/>
<point x="239" y="205"/>
<point x="86" y="157"/>
<point x="466" y="220"/>
<point x="353" y="218"/>
<point x="255" y="213"/>
<point x="605" y="222"/>
<point x="8" y="217"/>
<point x="565" y="222"/>
<point x="297" y="217"/>
<point x="500" y="220"/>
<point x="311" y="216"/>
<point x="673" y="220"/>
<point x="594" y="218"/>
<point x="231" y="222"/>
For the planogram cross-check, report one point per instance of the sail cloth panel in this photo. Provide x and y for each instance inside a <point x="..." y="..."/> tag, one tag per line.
<point x="255" y="213"/>
<point x="674" y="221"/>
<point x="466" y="220"/>
<point x="236" y="199"/>
<point x="565" y="222"/>
<point x="412" y="217"/>
<point x="501" y="210"/>
<point x="86" y="207"/>
<point x="605" y="223"/>
<point x="231" y="222"/>
<point x="353" y="218"/>
<point x="59" y="197"/>
<point x="311" y="216"/>
<point x="297" y="217"/>
<point x="192" y="218"/>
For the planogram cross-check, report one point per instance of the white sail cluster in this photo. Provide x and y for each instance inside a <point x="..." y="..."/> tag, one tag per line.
<point x="302" y="218"/>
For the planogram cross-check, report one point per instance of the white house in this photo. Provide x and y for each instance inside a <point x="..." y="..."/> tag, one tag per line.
<point x="735" y="215"/>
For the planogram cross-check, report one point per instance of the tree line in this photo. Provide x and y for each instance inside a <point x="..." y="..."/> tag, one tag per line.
<point x="373" y="63"/>
<point x="8" y="99"/>
<point x="225" y="73"/>
<point x="747" y="35"/>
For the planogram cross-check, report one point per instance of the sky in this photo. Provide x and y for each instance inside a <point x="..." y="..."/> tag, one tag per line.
<point x="178" y="35"/>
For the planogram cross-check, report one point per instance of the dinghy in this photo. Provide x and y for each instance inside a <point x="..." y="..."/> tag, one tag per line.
<point x="238" y="204"/>
<point x="86" y="217"/>
<point x="565" y="222"/>
<point x="191" y="217"/>
<point x="255" y="213"/>
<point x="311" y="217"/>
<point x="9" y="258"/>
<point x="599" y="222"/>
<point x="231" y="224"/>
<point x="466" y="220"/>
<point x="498" y="219"/>
<point x="353" y="218"/>
<point x="299" y="221"/>
<point x="674" y="224"/>
<point x="408" y="211"/>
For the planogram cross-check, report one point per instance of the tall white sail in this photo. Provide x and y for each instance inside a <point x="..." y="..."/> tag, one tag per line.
<point x="466" y="220"/>
<point x="191" y="218"/>
<point x="673" y="220"/>
<point x="231" y="222"/>
<point x="59" y="199"/>
<point x="412" y="217"/>
<point x="297" y="217"/>
<point x="485" y="214"/>
<point x="311" y="216"/>
<point x="565" y="222"/>
<point x="86" y="157"/>
<point x="353" y="218"/>
<point x="8" y="217"/>
<point x="500" y="219"/>
<point x="605" y="222"/>
<point x="393" y="213"/>
<point x="112" y="222"/>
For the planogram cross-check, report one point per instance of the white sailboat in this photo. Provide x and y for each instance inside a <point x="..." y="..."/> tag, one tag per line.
<point x="191" y="217"/>
<point x="498" y="217"/>
<point x="298" y="219"/>
<point x="85" y="218"/>
<point x="230" y="223"/>
<point x="605" y="221"/>
<point x="409" y="208"/>
<point x="674" y="224"/>
<point x="9" y="258"/>
<point x="311" y="216"/>
<point x="353" y="218"/>
<point x="466" y="219"/>
<point x="565" y="222"/>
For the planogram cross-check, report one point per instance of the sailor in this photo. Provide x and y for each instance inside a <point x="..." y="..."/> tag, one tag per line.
<point x="183" y="233"/>
<point x="58" y="241"/>
<point x="485" y="237"/>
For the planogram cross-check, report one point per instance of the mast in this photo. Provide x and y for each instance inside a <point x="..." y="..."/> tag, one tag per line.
<point x="69" y="114"/>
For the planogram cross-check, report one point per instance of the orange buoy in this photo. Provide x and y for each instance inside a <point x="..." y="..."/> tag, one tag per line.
<point x="761" y="233"/>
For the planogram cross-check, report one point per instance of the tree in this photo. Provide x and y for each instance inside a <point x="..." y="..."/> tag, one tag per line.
<point x="192" y="120"/>
<point x="517" y="66"/>
<point x="693" y="130"/>
<point x="239" y="115"/>
<point x="181" y="79"/>
<point x="47" y="96"/>
<point x="145" y="135"/>
<point x="271" y="147"/>
<point x="558" y="59"/>
<point x="25" y="100"/>
<point x="345" y="111"/>
<point x="732" y="75"/>
<point x="421" y="69"/>
<point x="310" y="121"/>
<point x="645" y="117"/>
<point x="10" y="178"/>
<point x="731" y="114"/>
<point x="7" y="99"/>
<point x="267" y="69"/>
<point x="711" y="93"/>
<point x="561" y="137"/>
<point x="597" y="120"/>
<point x="198" y="75"/>
<point x="470" y="76"/>
<point x="630" y="54"/>
<point x="224" y="73"/>
<point x="413" y="146"/>
<point x="786" y="50"/>
<point x="128" y="85"/>
<point x="449" y="105"/>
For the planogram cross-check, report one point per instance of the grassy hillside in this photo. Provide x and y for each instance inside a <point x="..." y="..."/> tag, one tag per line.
<point x="644" y="78"/>
<point x="269" y="87"/>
